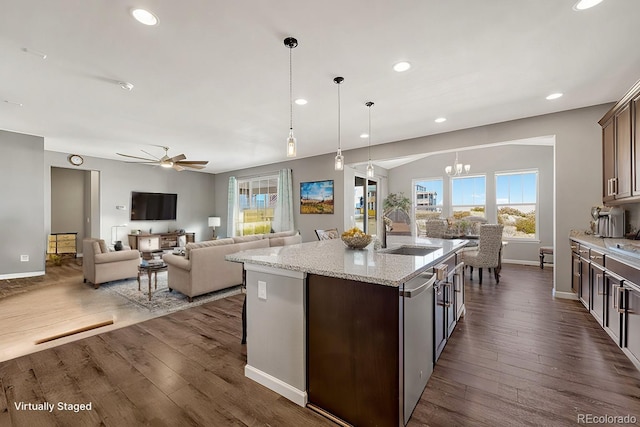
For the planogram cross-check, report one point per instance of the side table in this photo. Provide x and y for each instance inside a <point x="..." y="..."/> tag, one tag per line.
<point x="150" y="269"/>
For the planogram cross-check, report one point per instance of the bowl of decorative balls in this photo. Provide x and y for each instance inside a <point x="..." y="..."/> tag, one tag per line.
<point x="355" y="238"/>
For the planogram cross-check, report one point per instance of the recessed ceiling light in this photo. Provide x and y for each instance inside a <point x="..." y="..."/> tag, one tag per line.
<point x="554" y="96"/>
<point x="126" y="85"/>
<point x="300" y="101"/>
<point x="364" y="135"/>
<point x="586" y="4"/>
<point x="144" y="17"/>
<point x="402" y="66"/>
<point x="440" y="120"/>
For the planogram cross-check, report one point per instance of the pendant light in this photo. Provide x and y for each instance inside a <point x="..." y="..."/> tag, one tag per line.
<point x="370" y="170"/>
<point x="339" y="161"/>
<point x="290" y="42"/>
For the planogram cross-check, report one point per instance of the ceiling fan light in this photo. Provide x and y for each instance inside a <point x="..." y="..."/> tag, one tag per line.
<point x="166" y="164"/>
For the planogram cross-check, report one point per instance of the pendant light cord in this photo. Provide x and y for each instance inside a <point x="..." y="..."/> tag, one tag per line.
<point x="339" y="141"/>
<point x="290" y="91"/>
<point x="369" y="104"/>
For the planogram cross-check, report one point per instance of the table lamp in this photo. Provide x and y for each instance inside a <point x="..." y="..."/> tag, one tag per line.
<point x="214" y="221"/>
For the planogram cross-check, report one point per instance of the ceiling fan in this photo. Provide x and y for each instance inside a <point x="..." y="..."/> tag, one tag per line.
<point x="176" y="162"/>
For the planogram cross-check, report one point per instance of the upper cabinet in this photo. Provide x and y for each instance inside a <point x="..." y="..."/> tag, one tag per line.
<point x="635" y="137"/>
<point x="620" y="153"/>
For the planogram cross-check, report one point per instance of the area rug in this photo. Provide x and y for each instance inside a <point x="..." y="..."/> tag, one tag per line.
<point x="162" y="301"/>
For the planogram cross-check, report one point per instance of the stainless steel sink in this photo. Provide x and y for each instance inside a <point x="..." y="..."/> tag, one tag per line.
<point x="412" y="250"/>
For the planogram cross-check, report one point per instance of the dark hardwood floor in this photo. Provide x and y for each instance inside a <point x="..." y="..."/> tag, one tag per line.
<point x="519" y="357"/>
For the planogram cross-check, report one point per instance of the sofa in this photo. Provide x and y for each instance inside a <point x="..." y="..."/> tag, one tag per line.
<point x="203" y="268"/>
<point x="100" y="265"/>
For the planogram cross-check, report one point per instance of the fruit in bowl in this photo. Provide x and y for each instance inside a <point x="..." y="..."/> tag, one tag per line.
<point x="356" y="238"/>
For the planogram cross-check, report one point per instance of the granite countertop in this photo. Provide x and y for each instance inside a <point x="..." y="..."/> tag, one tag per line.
<point x="332" y="258"/>
<point x="611" y="246"/>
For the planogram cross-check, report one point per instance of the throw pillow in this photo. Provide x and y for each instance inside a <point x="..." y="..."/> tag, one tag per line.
<point x="96" y="248"/>
<point x="103" y="246"/>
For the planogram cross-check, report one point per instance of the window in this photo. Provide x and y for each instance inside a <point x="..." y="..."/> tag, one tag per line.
<point x="257" y="199"/>
<point x="468" y="196"/>
<point x="427" y="198"/>
<point x="517" y="203"/>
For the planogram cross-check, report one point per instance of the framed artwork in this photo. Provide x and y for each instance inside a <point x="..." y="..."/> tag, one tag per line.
<point x="316" y="197"/>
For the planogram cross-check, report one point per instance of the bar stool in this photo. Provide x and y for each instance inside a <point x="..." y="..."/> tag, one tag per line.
<point x="545" y="250"/>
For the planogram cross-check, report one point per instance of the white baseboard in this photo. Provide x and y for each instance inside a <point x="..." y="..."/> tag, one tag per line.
<point x="21" y="275"/>
<point x="524" y="262"/>
<point x="564" y="295"/>
<point x="283" y="389"/>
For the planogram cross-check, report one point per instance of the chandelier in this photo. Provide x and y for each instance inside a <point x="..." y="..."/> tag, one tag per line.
<point x="457" y="168"/>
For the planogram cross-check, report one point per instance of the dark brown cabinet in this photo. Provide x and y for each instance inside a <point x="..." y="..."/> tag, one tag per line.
<point x="622" y="183"/>
<point x="611" y="292"/>
<point x="620" y="156"/>
<point x="635" y="129"/>
<point x="608" y="161"/>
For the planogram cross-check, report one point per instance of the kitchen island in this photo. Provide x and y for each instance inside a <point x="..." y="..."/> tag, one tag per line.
<point x="341" y="331"/>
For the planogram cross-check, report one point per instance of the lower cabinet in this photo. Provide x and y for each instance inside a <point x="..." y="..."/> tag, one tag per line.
<point x="631" y="312"/>
<point x="608" y="287"/>
<point x="576" y="273"/>
<point x="613" y="315"/>
<point x="585" y="283"/>
<point x="598" y="292"/>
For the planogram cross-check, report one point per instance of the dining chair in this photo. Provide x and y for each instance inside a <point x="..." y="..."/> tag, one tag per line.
<point x="488" y="253"/>
<point x="328" y="234"/>
<point x="435" y="228"/>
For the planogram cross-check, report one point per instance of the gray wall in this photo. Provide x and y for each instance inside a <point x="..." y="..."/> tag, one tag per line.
<point x="488" y="161"/>
<point x="318" y="168"/>
<point x="68" y="201"/>
<point x="117" y="179"/>
<point x="22" y="205"/>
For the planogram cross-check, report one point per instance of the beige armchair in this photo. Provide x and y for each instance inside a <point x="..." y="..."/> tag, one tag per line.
<point x="99" y="265"/>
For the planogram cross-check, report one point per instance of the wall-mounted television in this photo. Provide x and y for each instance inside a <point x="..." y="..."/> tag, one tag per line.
<point x="153" y="206"/>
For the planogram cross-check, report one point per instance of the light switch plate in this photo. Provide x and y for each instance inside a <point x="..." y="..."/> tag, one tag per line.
<point x="262" y="290"/>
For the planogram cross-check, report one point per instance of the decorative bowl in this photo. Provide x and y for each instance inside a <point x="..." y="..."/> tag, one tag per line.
<point x="358" y="241"/>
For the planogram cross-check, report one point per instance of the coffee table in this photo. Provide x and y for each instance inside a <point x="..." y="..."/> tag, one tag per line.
<point x="150" y="269"/>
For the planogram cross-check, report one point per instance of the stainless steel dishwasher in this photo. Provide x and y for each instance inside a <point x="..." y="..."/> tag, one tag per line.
<point x="416" y="299"/>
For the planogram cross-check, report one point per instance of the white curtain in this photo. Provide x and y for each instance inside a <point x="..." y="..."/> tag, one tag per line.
<point x="232" y="207"/>
<point x="283" y="215"/>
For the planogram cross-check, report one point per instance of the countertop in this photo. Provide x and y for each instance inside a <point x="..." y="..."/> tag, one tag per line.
<point x="609" y="246"/>
<point x="332" y="258"/>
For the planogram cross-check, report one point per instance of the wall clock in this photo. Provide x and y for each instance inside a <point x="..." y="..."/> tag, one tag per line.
<point x="75" y="159"/>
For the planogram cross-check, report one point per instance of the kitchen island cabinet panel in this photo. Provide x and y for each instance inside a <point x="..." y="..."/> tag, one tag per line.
<point x="353" y="358"/>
